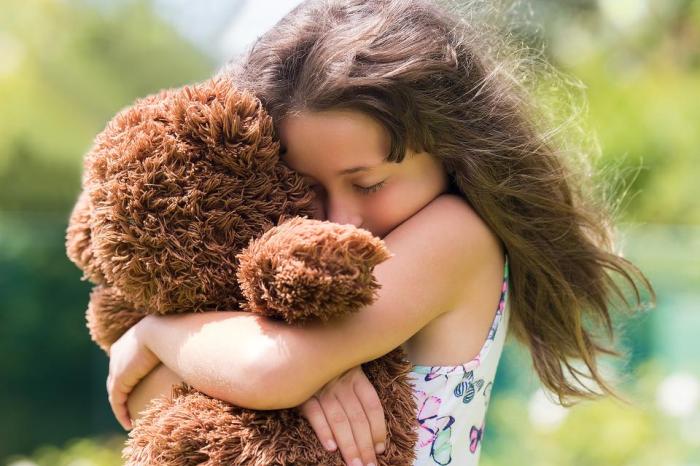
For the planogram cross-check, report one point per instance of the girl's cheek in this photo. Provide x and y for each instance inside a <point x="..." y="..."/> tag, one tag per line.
<point x="388" y="208"/>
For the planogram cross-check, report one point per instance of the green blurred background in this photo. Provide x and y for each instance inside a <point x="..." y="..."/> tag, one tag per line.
<point x="66" y="66"/>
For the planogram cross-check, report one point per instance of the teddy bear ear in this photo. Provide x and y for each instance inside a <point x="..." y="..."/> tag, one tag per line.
<point x="78" y="240"/>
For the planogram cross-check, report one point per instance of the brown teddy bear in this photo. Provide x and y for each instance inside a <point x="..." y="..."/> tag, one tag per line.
<point x="187" y="207"/>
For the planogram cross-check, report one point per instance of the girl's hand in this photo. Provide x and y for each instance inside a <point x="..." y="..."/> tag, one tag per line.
<point x="129" y="362"/>
<point x="347" y="410"/>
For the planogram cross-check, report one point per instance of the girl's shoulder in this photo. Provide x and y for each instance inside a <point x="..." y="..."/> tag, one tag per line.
<point x="458" y="334"/>
<point x="472" y="225"/>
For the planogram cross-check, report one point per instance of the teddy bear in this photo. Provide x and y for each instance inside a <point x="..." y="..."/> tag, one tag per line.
<point x="186" y="206"/>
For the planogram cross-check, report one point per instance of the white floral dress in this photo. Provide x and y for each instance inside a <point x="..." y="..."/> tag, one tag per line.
<point x="452" y="400"/>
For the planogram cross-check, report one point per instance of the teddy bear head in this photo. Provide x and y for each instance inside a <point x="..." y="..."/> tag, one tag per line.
<point x="174" y="187"/>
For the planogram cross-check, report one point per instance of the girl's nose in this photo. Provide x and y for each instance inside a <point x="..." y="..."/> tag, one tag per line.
<point x="342" y="213"/>
<point x="355" y="220"/>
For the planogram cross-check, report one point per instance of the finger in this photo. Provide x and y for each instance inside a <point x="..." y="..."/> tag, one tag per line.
<point x="340" y="426"/>
<point x="359" y="424"/>
<point x="374" y="411"/>
<point x="120" y="410"/>
<point x="313" y="413"/>
<point x="117" y="401"/>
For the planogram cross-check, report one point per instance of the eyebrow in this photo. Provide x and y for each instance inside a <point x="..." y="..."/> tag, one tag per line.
<point x="363" y="168"/>
<point x="347" y="171"/>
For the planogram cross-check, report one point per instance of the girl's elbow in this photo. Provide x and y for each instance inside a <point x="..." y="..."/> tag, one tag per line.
<point x="277" y="392"/>
<point x="259" y="387"/>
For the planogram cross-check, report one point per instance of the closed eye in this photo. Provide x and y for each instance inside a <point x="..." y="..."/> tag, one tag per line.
<point x="370" y="189"/>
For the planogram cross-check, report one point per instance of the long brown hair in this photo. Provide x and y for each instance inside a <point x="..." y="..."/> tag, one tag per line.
<point x="444" y="84"/>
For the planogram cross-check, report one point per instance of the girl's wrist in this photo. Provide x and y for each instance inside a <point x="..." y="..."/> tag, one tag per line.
<point x="144" y="329"/>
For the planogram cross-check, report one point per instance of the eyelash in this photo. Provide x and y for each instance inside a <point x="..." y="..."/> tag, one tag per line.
<point x="363" y="190"/>
<point x="370" y="189"/>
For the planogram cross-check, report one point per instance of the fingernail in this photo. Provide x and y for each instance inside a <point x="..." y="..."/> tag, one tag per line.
<point x="330" y="445"/>
<point x="357" y="462"/>
<point x="371" y="464"/>
<point x="379" y="448"/>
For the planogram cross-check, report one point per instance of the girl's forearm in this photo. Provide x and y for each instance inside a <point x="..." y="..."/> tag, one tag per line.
<point x="158" y="383"/>
<point x="218" y="353"/>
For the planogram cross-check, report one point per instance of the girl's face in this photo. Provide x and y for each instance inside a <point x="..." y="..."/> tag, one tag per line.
<point x="343" y="152"/>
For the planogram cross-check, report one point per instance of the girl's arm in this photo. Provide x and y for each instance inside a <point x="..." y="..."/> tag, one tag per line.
<point x="218" y="353"/>
<point x="157" y="383"/>
<point x="271" y="365"/>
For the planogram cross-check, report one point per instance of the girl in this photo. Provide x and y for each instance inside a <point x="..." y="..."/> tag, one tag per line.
<point x="408" y="122"/>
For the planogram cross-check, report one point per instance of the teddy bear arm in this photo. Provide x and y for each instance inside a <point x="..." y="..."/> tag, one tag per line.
<point x="306" y="269"/>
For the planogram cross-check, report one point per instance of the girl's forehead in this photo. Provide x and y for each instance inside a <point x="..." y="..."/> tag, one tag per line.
<point x="337" y="123"/>
<point x="350" y="136"/>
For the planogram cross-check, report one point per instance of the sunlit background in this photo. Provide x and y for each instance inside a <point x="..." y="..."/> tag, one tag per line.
<point x="66" y="66"/>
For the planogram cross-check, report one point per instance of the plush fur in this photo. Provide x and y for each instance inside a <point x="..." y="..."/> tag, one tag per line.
<point x="186" y="207"/>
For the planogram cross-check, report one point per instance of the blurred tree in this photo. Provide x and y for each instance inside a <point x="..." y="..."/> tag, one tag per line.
<point x="640" y="63"/>
<point x="65" y="68"/>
